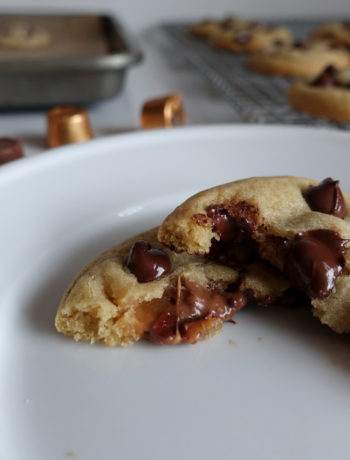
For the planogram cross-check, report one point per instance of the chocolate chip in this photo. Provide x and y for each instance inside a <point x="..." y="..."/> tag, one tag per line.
<point x="326" y="79"/>
<point x="327" y="198"/>
<point x="234" y="221"/>
<point x="10" y="149"/>
<point x="147" y="263"/>
<point x="222" y="223"/>
<point x="315" y="260"/>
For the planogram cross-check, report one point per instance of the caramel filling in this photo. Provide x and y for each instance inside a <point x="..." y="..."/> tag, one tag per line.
<point x="187" y="313"/>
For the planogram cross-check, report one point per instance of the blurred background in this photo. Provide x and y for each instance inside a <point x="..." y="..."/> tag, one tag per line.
<point x="138" y="14"/>
<point x="144" y="52"/>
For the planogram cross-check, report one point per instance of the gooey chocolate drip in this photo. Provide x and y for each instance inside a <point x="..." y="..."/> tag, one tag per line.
<point x="327" y="198"/>
<point x="234" y="226"/>
<point x="314" y="261"/>
<point x="233" y="222"/>
<point x="194" y="303"/>
<point x="224" y="225"/>
<point x="147" y="263"/>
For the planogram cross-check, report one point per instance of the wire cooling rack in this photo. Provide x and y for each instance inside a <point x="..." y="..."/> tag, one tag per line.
<point x="254" y="97"/>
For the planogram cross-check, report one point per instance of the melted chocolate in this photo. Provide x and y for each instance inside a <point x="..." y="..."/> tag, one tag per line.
<point x="234" y="225"/>
<point x="315" y="259"/>
<point x="312" y="261"/>
<point x="275" y="250"/>
<point x="232" y="253"/>
<point x="194" y="303"/>
<point x="326" y="79"/>
<point x="224" y="225"/>
<point x="197" y="302"/>
<point x="233" y="221"/>
<point x="147" y="263"/>
<point x="327" y="198"/>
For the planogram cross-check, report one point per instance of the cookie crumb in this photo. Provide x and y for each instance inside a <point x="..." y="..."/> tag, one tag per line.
<point x="72" y="454"/>
<point x="231" y="342"/>
<point x="260" y="339"/>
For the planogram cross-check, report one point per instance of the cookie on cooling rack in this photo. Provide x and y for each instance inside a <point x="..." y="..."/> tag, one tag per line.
<point x="300" y="226"/>
<point x="326" y="96"/>
<point x="209" y="28"/>
<point x="335" y="32"/>
<point x="300" y="59"/>
<point x="253" y="38"/>
<point x="23" y="35"/>
<point x="241" y="35"/>
<point x="140" y="289"/>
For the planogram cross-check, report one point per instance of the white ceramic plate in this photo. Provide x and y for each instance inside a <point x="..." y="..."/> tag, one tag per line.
<point x="274" y="386"/>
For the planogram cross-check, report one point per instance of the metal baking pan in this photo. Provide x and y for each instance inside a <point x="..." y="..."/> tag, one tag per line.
<point x="84" y="60"/>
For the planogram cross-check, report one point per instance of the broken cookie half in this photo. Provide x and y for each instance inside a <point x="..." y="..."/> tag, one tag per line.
<point x="140" y="289"/>
<point x="298" y="225"/>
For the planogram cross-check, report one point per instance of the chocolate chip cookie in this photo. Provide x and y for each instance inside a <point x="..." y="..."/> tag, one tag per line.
<point x="140" y="289"/>
<point x="209" y="28"/>
<point x="326" y="96"/>
<point x="298" y="225"/>
<point x="241" y="35"/>
<point x="300" y="59"/>
<point x="335" y="32"/>
<point x="253" y="38"/>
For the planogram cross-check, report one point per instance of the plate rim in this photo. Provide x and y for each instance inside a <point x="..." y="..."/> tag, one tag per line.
<point x="73" y="152"/>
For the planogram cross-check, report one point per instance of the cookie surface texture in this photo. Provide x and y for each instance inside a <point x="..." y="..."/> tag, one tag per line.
<point x="251" y="39"/>
<point x="303" y="61"/>
<point x="336" y="32"/>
